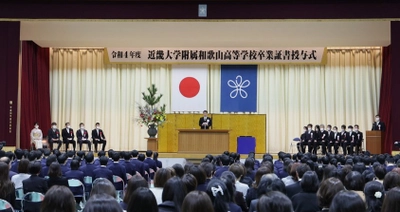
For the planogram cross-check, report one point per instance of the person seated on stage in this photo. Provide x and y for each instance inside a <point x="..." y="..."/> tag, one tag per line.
<point x="302" y="144"/>
<point x="103" y="171"/>
<point x="36" y="137"/>
<point x="309" y="138"/>
<point x="205" y="122"/>
<point x="315" y="139"/>
<point x="68" y="136"/>
<point x="359" y="138"/>
<point x="83" y="137"/>
<point x="53" y="136"/>
<point x="329" y="140"/>
<point x="351" y="140"/>
<point x="343" y="134"/>
<point x="98" y="137"/>
<point x="118" y="169"/>
<point x="335" y="139"/>
<point x="378" y="124"/>
<point x="324" y="139"/>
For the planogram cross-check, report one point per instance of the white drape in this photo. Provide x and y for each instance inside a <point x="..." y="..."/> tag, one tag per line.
<point x="344" y="91"/>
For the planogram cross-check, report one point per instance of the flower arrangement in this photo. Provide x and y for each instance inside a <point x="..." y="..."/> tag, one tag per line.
<point x="150" y="113"/>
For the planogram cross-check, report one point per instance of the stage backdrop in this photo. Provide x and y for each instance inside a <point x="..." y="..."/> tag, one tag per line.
<point x="344" y="91"/>
<point x="238" y="124"/>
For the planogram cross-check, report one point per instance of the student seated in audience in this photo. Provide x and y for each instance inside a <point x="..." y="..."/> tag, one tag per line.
<point x="130" y="168"/>
<point x="135" y="182"/>
<point x="102" y="203"/>
<point x="102" y="171"/>
<point x="252" y="192"/>
<point x="209" y="169"/>
<point x="160" y="178"/>
<point x="374" y="196"/>
<point x="62" y="160"/>
<point x="236" y="197"/>
<point x="103" y="185"/>
<point x="179" y="171"/>
<point x="172" y="196"/>
<point x="197" y="201"/>
<point x="238" y="171"/>
<point x="152" y="164"/>
<point x="306" y="200"/>
<point x="347" y="201"/>
<point x="58" y="198"/>
<point x="190" y="182"/>
<point x="142" y="157"/>
<point x="155" y="158"/>
<point x="142" y="200"/>
<point x="118" y="169"/>
<point x="274" y="201"/>
<point x="292" y="178"/>
<point x="219" y="195"/>
<point x="296" y="188"/>
<point x="7" y="189"/>
<point x="7" y="160"/>
<point x="200" y="175"/>
<point x="138" y="164"/>
<point x="225" y="166"/>
<point x="76" y="174"/>
<point x="34" y="182"/>
<point x="19" y="154"/>
<point x="327" y="190"/>
<point x="355" y="182"/>
<point x="391" y="180"/>
<point x="17" y="179"/>
<point x="55" y="176"/>
<point x="391" y="202"/>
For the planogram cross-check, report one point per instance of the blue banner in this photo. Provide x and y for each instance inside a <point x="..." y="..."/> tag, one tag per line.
<point x="238" y="88"/>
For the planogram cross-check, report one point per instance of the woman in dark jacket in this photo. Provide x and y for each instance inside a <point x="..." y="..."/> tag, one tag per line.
<point x="55" y="176"/>
<point x="173" y="194"/>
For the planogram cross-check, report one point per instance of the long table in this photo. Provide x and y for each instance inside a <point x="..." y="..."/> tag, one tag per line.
<point x="203" y="141"/>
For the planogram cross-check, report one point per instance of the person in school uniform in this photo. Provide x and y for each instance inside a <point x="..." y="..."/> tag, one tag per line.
<point x="68" y="136"/>
<point x="53" y="136"/>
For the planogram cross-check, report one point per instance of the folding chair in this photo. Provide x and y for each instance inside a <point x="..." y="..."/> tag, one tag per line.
<point x="31" y="202"/>
<point x="5" y="206"/>
<point x="120" y="193"/>
<point x="19" y="196"/>
<point x="78" y="194"/>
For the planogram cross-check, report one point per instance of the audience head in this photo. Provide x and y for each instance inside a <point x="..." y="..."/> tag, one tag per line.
<point x="197" y="201"/>
<point x="23" y="166"/>
<point x="328" y="189"/>
<point x="249" y="164"/>
<point x="229" y="179"/>
<point x="116" y="156"/>
<point x="102" y="203"/>
<point x="347" y="201"/>
<point x="208" y="168"/>
<point x="179" y="171"/>
<point x="368" y="175"/>
<point x="391" y="202"/>
<point x="391" y="180"/>
<point x="374" y="196"/>
<point x="190" y="182"/>
<point x="58" y="199"/>
<point x="89" y="157"/>
<point x="303" y="168"/>
<point x="380" y="171"/>
<point x="62" y="158"/>
<point x="309" y="182"/>
<point x="274" y="201"/>
<point x="219" y="195"/>
<point x="237" y="170"/>
<point x="149" y="153"/>
<point x="161" y="177"/>
<point x="354" y="181"/>
<point x="199" y="173"/>
<point x="75" y="164"/>
<point x="142" y="200"/>
<point x="260" y="172"/>
<point x="141" y="157"/>
<point x="134" y="183"/>
<point x="55" y="170"/>
<point x="103" y="160"/>
<point x="102" y="185"/>
<point x="34" y="167"/>
<point x="174" y="191"/>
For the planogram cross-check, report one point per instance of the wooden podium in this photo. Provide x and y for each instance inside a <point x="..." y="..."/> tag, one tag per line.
<point x="374" y="141"/>
<point x="152" y="144"/>
<point x="203" y="141"/>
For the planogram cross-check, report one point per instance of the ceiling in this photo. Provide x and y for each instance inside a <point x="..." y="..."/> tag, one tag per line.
<point x="254" y="33"/>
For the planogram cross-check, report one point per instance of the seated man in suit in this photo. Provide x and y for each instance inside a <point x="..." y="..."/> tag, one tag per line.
<point x="350" y="141"/>
<point x="53" y="136"/>
<point x="205" y="122"/>
<point x="378" y="124"/>
<point x="83" y="137"/>
<point x="359" y="138"/>
<point x="103" y="171"/>
<point x="117" y="170"/>
<point x="98" y="137"/>
<point x="34" y="182"/>
<point x="68" y="136"/>
<point x="152" y="164"/>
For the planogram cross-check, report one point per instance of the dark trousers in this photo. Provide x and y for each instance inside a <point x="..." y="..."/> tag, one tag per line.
<point x="358" y="147"/>
<point x="313" y="146"/>
<point x="336" y="146"/>
<point x="303" y="146"/>
<point x="329" y="147"/>
<point x="51" y="144"/>
<point x="323" y="144"/>
<point x="348" y="148"/>
<point x="67" y="142"/>
<point x="95" y="142"/>
<point x="86" y="142"/>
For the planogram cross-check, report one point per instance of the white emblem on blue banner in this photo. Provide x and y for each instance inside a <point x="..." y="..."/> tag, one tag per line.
<point x="238" y="85"/>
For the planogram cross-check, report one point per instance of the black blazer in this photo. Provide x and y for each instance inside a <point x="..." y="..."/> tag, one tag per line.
<point x="359" y="136"/>
<point x="98" y="136"/>
<point x="293" y="189"/>
<point x="208" y="120"/>
<point x="62" y="181"/>
<point x="380" y="126"/>
<point x="80" y="136"/>
<point x="53" y="134"/>
<point x="350" y="136"/>
<point x="35" y="183"/>
<point x="325" y="136"/>
<point x="331" y="137"/>
<point x="67" y="135"/>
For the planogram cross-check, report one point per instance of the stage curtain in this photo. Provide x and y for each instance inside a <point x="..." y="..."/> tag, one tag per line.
<point x="385" y="103"/>
<point x="85" y="89"/>
<point x="35" y="93"/>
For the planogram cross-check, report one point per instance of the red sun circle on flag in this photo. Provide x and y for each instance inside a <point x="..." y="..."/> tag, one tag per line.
<point x="189" y="87"/>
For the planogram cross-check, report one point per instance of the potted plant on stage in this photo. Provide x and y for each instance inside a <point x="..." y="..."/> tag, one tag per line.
<point x="151" y="114"/>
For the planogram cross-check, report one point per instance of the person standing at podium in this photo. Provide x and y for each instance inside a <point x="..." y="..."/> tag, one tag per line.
<point x="378" y="124"/>
<point x="205" y="122"/>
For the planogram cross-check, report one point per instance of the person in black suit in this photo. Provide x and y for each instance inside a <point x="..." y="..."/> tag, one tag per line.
<point x="98" y="137"/>
<point x="316" y="138"/>
<point x="68" y="136"/>
<point x="83" y="137"/>
<point x="301" y="146"/>
<point x="324" y="138"/>
<point x="359" y="138"/>
<point x="309" y="138"/>
<point x="378" y="124"/>
<point x="53" y="135"/>
<point x="205" y="122"/>
<point x="336" y="140"/>
<point x="103" y="171"/>
<point x="343" y="138"/>
<point x="55" y="176"/>
<point x="330" y="138"/>
<point x="295" y="188"/>
<point x="34" y="182"/>
<point x="350" y="142"/>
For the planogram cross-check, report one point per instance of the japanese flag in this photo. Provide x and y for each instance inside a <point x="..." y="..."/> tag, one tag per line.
<point x="189" y="87"/>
